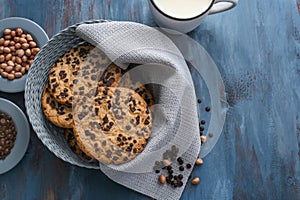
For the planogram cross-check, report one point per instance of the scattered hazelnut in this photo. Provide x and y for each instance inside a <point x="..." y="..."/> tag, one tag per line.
<point x="203" y="138"/>
<point x="199" y="161"/>
<point x="195" y="181"/>
<point x="162" y="179"/>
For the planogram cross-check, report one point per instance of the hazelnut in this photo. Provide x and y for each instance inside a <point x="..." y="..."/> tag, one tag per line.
<point x="12" y="48"/>
<point x="6" y="50"/>
<point x="2" y="58"/>
<point x="3" y="65"/>
<point x="27" y="67"/>
<point x="166" y="163"/>
<point x="8" y="57"/>
<point x="18" y="60"/>
<point x="20" y="52"/>
<point x="4" y="74"/>
<point x="6" y="43"/>
<point x="195" y="181"/>
<point x="1" y="41"/>
<point x="199" y="161"/>
<point x="29" y="37"/>
<point x="28" y="52"/>
<point x="7" y="37"/>
<point x="25" y="45"/>
<point x="23" y="36"/>
<point x="32" y="44"/>
<point x="18" y="45"/>
<point x="1" y="49"/>
<point x="34" y="51"/>
<point x="162" y="179"/>
<point x="19" y="31"/>
<point x="7" y="31"/>
<point x="18" y="67"/>
<point x="11" y="76"/>
<point x="12" y="43"/>
<point x="22" y="40"/>
<point x="16" y="39"/>
<point x="203" y="138"/>
<point x="10" y="63"/>
<point x="18" y="74"/>
<point x="24" y="58"/>
<point x="8" y="69"/>
<point x="23" y="70"/>
<point x="13" y="33"/>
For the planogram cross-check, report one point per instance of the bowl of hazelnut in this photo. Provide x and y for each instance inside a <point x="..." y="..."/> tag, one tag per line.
<point x="20" y="41"/>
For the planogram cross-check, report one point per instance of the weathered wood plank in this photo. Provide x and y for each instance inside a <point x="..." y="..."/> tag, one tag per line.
<point x="257" y="49"/>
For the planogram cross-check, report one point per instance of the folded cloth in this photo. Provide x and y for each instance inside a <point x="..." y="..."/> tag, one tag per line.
<point x="175" y="120"/>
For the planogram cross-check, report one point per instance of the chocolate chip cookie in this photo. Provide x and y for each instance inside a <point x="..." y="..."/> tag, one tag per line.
<point x="113" y="127"/>
<point x="69" y="135"/>
<point x="80" y="64"/>
<point x="57" y="113"/>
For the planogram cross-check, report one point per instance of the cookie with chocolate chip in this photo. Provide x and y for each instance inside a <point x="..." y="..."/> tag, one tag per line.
<point x="113" y="127"/>
<point x="57" y="113"/>
<point x="71" y="140"/>
<point x="79" y="65"/>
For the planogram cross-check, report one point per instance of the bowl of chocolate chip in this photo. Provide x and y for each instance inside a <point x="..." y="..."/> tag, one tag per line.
<point x="14" y="135"/>
<point x="20" y="41"/>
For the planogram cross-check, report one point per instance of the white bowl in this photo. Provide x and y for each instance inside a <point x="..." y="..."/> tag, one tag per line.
<point x="40" y="37"/>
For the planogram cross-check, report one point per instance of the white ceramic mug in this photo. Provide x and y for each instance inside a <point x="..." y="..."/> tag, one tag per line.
<point x="185" y="15"/>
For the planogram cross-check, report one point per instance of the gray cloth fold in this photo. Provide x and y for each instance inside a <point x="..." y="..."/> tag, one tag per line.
<point x="175" y="119"/>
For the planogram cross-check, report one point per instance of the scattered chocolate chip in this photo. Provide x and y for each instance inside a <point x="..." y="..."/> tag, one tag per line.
<point x="157" y="171"/>
<point x="202" y="121"/>
<point x="199" y="101"/>
<point x="201" y="128"/>
<point x="180" y="161"/>
<point x="188" y="166"/>
<point x="180" y="176"/>
<point x="207" y="108"/>
<point x="181" y="168"/>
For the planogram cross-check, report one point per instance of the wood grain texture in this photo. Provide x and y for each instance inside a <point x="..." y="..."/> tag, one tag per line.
<point x="257" y="49"/>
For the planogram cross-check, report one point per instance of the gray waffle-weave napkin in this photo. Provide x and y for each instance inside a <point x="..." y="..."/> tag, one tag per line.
<point x="175" y="119"/>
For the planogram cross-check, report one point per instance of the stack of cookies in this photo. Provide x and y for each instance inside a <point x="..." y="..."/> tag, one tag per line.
<point x="102" y="120"/>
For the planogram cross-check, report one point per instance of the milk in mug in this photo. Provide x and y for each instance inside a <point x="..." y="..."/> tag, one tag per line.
<point x="183" y="9"/>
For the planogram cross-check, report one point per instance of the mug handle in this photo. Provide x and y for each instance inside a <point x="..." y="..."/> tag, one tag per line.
<point x="222" y="5"/>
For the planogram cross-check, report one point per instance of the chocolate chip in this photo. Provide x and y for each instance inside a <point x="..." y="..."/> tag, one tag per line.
<point x="203" y="121"/>
<point x="199" y="101"/>
<point x="180" y="161"/>
<point x="115" y="158"/>
<point x="82" y="115"/>
<point x="179" y="183"/>
<point x="188" y="166"/>
<point x="180" y="177"/>
<point x="201" y="128"/>
<point x="62" y="74"/>
<point x="108" y="154"/>
<point x="157" y="171"/>
<point x="181" y="168"/>
<point x="147" y="122"/>
<point x="207" y="108"/>
<point x="105" y="119"/>
<point x="137" y="120"/>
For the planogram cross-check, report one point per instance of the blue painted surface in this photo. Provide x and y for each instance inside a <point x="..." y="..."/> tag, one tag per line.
<point x="257" y="49"/>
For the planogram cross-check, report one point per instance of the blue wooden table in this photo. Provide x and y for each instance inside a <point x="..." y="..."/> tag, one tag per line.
<point x="256" y="47"/>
